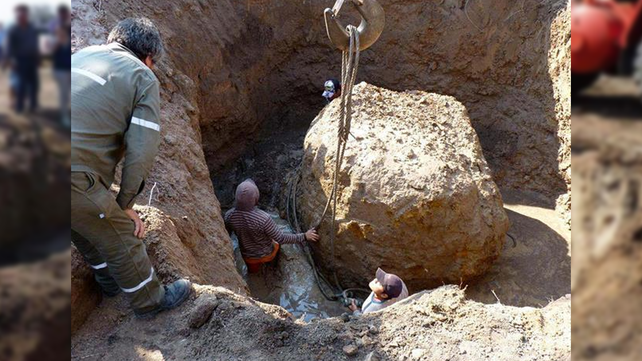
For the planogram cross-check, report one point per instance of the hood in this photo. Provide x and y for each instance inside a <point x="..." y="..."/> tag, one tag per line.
<point x="247" y="195"/>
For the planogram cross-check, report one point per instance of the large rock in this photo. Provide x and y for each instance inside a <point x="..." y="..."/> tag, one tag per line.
<point x="416" y="195"/>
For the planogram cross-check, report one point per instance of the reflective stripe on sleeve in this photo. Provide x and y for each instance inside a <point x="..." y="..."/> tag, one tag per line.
<point x="89" y="75"/>
<point x="140" y="285"/>
<point x="99" y="266"/>
<point x="146" y="124"/>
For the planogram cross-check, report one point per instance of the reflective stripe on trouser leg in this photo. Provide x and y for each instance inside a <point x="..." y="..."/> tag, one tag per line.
<point x="112" y="235"/>
<point x="96" y="263"/>
<point x="142" y="284"/>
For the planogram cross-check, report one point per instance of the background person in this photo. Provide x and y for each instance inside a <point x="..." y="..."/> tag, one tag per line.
<point x="62" y="20"/>
<point x="23" y="56"/>
<point x="2" y="43"/>
<point x="62" y="71"/>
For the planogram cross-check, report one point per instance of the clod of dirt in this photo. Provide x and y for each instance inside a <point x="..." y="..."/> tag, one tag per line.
<point x="431" y="217"/>
<point x="350" y="350"/>
<point x="202" y="312"/>
<point x="441" y="323"/>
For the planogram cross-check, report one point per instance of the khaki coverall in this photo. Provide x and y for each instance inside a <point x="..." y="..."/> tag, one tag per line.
<point x="116" y="109"/>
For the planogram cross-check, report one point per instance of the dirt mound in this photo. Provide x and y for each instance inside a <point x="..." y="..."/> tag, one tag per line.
<point x="416" y="196"/>
<point x="176" y="255"/>
<point x="433" y="325"/>
<point x="559" y="59"/>
<point x="34" y="310"/>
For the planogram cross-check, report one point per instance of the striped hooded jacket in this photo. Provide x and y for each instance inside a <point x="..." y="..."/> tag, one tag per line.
<point x="255" y="228"/>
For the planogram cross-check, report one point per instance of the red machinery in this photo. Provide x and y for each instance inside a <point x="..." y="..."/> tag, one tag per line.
<point x="605" y="37"/>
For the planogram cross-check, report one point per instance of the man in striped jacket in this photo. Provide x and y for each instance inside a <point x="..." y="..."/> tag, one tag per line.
<point x="259" y="237"/>
<point x="116" y="113"/>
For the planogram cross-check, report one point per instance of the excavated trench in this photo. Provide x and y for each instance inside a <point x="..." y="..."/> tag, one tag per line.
<point x="504" y="75"/>
<point x="249" y="76"/>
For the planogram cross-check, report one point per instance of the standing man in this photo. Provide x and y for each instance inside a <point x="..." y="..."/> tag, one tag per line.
<point x="62" y="71"/>
<point x="116" y="112"/>
<point x="1" y="43"/>
<point x="63" y="19"/>
<point x="23" y="56"/>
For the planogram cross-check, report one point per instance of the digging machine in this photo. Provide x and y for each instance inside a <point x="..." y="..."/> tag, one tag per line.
<point x="605" y="38"/>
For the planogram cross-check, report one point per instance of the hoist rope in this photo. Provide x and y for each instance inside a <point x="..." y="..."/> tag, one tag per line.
<point x="349" y="68"/>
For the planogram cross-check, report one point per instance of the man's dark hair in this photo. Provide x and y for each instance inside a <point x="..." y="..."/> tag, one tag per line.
<point x="63" y="9"/>
<point x="22" y="8"/>
<point x="139" y="35"/>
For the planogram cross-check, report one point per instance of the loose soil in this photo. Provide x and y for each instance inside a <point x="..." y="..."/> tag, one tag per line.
<point x="217" y="324"/>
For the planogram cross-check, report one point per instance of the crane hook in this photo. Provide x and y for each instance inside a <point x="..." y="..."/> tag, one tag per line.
<point x="373" y="21"/>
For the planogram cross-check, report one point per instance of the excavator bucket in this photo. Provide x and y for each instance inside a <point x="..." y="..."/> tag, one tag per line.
<point x="373" y="21"/>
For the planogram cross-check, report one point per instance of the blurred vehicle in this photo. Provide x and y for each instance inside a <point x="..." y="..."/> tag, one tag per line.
<point x="605" y="38"/>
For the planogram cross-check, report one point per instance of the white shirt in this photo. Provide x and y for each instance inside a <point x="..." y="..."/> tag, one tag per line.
<point x="372" y="304"/>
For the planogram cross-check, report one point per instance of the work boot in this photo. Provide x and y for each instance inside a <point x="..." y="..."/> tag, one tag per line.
<point x="175" y="294"/>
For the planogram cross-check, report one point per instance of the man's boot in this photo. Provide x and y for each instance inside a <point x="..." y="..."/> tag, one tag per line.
<point x="175" y="294"/>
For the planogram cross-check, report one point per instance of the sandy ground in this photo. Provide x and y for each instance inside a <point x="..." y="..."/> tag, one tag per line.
<point x="535" y="267"/>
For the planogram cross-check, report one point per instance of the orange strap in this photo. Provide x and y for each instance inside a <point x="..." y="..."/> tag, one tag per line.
<point x="264" y="259"/>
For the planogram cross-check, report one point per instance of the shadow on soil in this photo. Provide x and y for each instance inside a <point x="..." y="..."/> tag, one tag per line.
<point x="534" y="268"/>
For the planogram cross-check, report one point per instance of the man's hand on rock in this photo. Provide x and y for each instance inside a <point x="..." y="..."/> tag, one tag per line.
<point x="139" y="231"/>
<point x="312" y="235"/>
<point x="353" y="306"/>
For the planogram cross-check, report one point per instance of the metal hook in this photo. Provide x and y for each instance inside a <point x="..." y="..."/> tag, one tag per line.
<point x="373" y="21"/>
